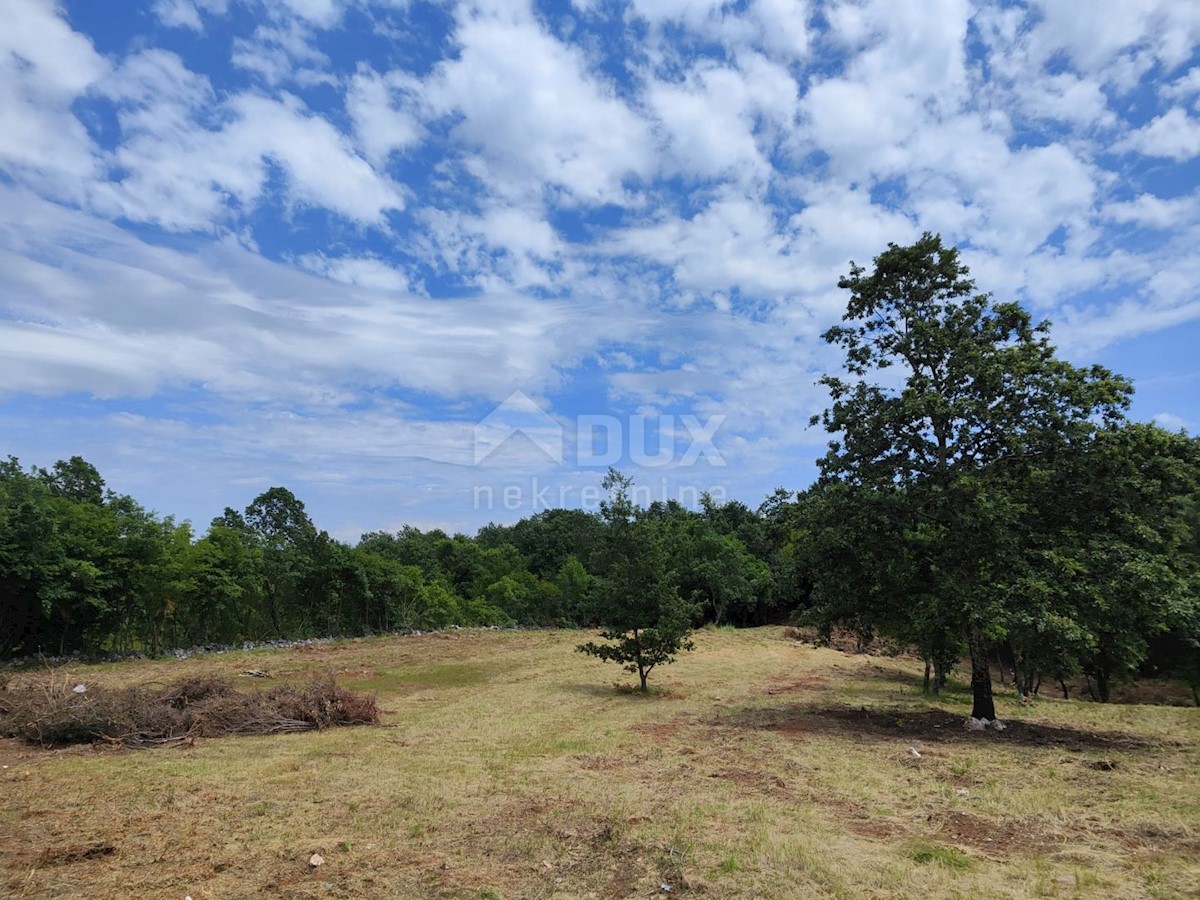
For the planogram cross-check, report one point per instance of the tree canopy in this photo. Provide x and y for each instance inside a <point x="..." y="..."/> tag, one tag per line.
<point x="950" y="397"/>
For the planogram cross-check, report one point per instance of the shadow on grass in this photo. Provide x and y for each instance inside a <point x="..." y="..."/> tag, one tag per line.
<point x="927" y="725"/>
<point x="618" y="689"/>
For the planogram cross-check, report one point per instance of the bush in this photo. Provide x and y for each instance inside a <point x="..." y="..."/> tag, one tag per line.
<point x="51" y="713"/>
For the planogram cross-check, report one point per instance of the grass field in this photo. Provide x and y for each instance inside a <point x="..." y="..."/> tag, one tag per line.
<point x="509" y="766"/>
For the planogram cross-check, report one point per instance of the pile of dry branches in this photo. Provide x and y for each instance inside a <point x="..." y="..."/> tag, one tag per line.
<point x="55" y="711"/>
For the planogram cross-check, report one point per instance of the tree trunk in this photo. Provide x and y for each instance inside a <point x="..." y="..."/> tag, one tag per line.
<point x="1066" y="691"/>
<point x="925" y="687"/>
<point x="644" y="675"/>
<point x="1007" y="658"/>
<point x="1103" y="686"/>
<point x="982" y="704"/>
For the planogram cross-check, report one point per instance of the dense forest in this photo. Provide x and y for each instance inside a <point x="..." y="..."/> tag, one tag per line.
<point x="85" y="569"/>
<point x="997" y="506"/>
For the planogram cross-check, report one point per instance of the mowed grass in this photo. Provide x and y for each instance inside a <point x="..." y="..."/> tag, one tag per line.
<point x="509" y="766"/>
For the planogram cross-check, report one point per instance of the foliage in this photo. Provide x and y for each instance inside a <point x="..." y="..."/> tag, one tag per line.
<point x="979" y="398"/>
<point x="644" y="621"/>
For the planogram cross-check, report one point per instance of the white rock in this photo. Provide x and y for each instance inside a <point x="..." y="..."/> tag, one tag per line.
<point x="316" y="860"/>
<point x="914" y="752"/>
<point x="80" y="689"/>
<point x="998" y="725"/>
<point x="962" y="792"/>
<point x="973" y="724"/>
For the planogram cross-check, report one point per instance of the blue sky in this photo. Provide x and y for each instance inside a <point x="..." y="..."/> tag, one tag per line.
<point x="317" y="242"/>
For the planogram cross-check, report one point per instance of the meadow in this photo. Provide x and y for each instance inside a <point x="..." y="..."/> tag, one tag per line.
<point x="509" y="766"/>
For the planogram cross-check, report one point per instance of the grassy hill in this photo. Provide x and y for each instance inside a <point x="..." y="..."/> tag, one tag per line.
<point x="509" y="766"/>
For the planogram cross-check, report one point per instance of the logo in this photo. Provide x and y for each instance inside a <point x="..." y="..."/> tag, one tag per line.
<point x="517" y="417"/>
<point x="600" y="440"/>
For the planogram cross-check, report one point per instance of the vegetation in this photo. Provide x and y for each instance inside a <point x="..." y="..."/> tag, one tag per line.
<point x="54" y="711"/>
<point x="982" y="499"/>
<point x="981" y="492"/>
<point x="504" y="764"/>
<point x="644" y="620"/>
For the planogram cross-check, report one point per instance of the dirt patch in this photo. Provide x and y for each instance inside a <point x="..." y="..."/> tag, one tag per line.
<point x="806" y="685"/>
<point x="1004" y="837"/>
<point x="752" y="778"/>
<point x="856" y="818"/>
<point x="1157" y="840"/>
<point x="62" y="856"/>
<point x="601" y="763"/>
<point x="660" y="732"/>
<point x="1144" y="692"/>
<point x="849" y="642"/>
<point x="993" y="837"/>
<point x="930" y="725"/>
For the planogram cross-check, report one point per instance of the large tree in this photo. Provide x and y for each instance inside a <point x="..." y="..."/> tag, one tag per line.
<point x="947" y="390"/>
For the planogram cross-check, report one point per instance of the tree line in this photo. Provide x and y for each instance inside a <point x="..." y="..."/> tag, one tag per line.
<point x="85" y="569"/>
<point x="981" y="500"/>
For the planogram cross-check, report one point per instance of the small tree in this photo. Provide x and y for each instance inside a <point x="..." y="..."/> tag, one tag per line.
<point x="641" y="614"/>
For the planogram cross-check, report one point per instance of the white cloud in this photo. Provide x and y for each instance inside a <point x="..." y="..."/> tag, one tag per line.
<point x="93" y="309"/>
<point x="1173" y="135"/>
<point x="779" y="28"/>
<point x="803" y="135"/>
<point x="322" y="13"/>
<point x="187" y="13"/>
<point x="1155" y="212"/>
<point x="44" y="67"/>
<point x="721" y="121"/>
<point x="534" y="113"/>
<point x="363" y="271"/>
<point x="1185" y="86"/>
<point x="910" y="74"/>
<point x="1066" y="97"/>
<point x="1170" y="421"/>
<point x="182" y="174"/>
<point x="282" y="53"/>
<point x="783" y="27"/>
<point x="1144" y="31"/>
<point x="382" y="109"/>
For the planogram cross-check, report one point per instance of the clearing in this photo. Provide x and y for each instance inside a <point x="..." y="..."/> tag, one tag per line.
<point x="509" y="766"/>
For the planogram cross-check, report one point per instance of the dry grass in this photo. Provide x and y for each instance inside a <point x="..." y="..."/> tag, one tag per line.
<point x="509" y="766"/>
<point x="55" y="711"/>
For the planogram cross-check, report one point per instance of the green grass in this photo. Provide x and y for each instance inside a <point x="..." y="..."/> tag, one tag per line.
<point x="923" y="852"/>
<point x="507" y="763"/>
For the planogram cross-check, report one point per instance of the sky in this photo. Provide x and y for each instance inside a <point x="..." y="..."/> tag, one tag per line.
<point x="441" y="263"/>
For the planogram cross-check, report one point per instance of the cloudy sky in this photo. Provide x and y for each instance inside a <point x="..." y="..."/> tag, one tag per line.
<point x="317" y="243"/>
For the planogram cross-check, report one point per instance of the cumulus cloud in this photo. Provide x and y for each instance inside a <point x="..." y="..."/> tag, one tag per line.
<point x="1173" y="135"/>
<point x="348" y="226"/>
<point x="531" y="113"/>
<point x="44" y="67"/>
<point x="188" y="161"/>
<point x="188" y="13"/>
